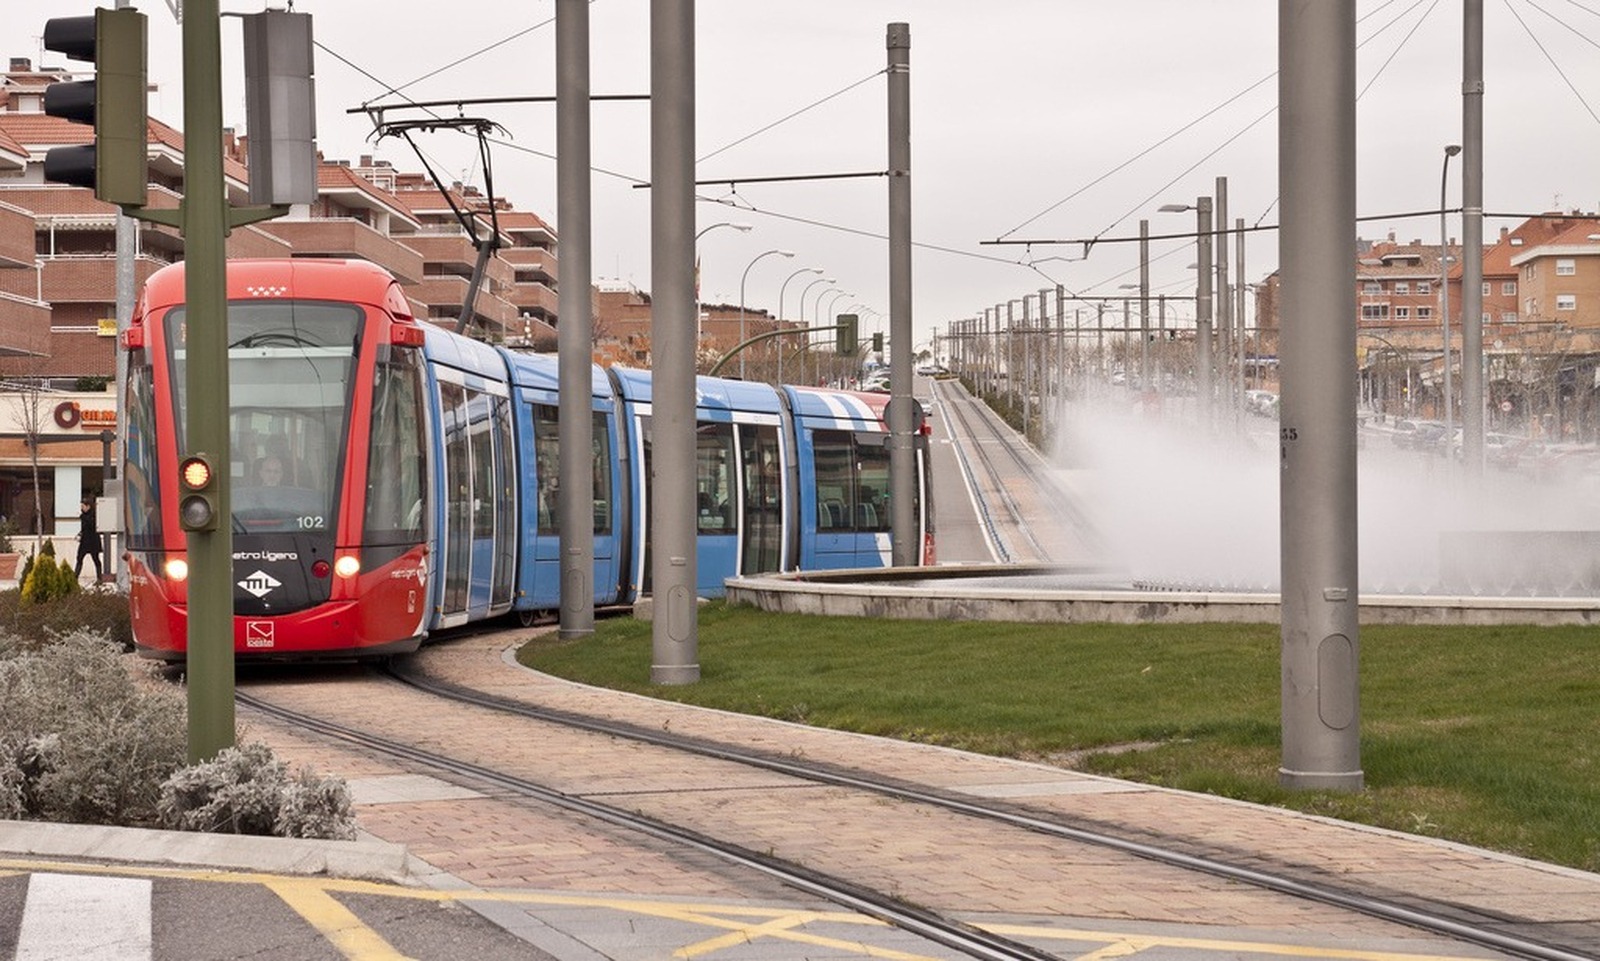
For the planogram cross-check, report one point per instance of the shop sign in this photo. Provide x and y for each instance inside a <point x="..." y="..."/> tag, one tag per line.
<point x="68" y="414"/>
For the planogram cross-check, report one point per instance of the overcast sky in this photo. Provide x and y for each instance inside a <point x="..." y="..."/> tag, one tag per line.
<point x="1031" y="119"/>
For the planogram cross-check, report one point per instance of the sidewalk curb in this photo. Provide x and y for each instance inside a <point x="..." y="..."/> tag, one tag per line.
<point x="367" y="859"/>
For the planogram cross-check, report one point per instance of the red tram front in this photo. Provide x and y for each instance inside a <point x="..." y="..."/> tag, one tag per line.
<point x="327" y="469"/>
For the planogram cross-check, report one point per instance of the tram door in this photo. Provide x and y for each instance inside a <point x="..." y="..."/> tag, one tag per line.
<point x="761" y="536"/>
<point x="479" y="499"/>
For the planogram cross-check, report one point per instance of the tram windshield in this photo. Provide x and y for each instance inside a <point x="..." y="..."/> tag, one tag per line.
<point x="290" y="367"/>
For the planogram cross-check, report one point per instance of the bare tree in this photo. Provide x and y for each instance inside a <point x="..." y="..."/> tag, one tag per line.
<point x="29" y="398"/>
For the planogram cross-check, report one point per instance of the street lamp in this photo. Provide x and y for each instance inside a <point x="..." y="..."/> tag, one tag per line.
<point x="1202" y="301"/>
<point x="805" y="339"/>
<point x="820" y="314"/>
<point x="802" y="270"/>
<point x="742" y="228"/>
<point x="742" y="278"/>
<point x="1450" y="150"/>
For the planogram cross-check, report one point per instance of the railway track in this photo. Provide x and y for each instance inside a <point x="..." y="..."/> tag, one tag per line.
<point x="1026" y="515"/>
<point x="1179" y="854"/>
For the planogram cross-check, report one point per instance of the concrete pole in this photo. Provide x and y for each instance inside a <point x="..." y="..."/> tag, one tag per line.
<point x="1061" y="340"/>
<point x="575" y="331"/>
<point x="1238" y="303"/>
<point x="675" y="642"/>
<point x="1144" y="305"/>
<point x="1317" y="434"/>
<point x="1202" y="311"/>
<point x="1223" y="302"/>
<point x="1472" y="388"/>
<point x="205" y="233"/>
<point x="906" y="545"/>
<point x="1027" y="365"/>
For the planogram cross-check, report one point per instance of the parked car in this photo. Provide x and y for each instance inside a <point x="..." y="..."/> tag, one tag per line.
<point x="1418" y="434"/>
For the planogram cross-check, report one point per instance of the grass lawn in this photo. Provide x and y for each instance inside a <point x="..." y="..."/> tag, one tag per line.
<point x="1485" y="735"/>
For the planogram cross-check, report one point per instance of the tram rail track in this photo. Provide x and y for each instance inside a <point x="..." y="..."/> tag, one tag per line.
<point x="955" y="935"/>
<point x="1451" y="921"/>
<point x="998" y="463"/>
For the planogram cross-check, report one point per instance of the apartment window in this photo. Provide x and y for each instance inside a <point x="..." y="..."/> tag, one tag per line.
<point x="1372" y="287"/>
<point x="1424" y="313"/>
<point x="1424" y="287"/>
<point x="1508" y="288"/>
<point x="1401" y="287"/>
<point x="1566" y="266"/>
<point x="1486" y="289"/>
<point x="1532" y="307"/>
<point x="1566" y="301"/>
<point x="1402" y="313"/>
<point x="1532" y="269"/>
<point x="1374" y="311"/>
<point x="1509" y="317"/>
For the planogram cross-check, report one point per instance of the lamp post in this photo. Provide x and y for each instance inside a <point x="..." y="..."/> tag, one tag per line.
<point x="821" y="314"/>
<point x="805" y="340"/>
<point x="742" y="277"/>
<point x="1202" y="300"/>
<point x="1450" y="150"/>
<point x="699" y="334"/>
<point x="802" y="270"/>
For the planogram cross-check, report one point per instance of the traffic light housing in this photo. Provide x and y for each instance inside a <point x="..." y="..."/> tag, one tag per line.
<point x="116" y="164"/>
<point x="846" y="329"/>
<point x="877" y="342"/>
<point x="197" y="494"/>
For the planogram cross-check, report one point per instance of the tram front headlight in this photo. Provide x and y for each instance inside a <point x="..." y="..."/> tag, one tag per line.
<point x="348" y="565"/>
<point x="176" y="569"/>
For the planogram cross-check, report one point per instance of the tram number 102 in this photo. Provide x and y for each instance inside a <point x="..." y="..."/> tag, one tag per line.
<point x="311" y="522"/>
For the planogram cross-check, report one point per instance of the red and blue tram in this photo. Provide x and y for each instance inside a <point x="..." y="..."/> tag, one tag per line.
<point x="390" y="478"/>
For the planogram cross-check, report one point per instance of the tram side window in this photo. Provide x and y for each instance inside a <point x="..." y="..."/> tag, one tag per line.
<point x="872" y="483"/>
<point x="852" y="481"/>
<point x="143" y="477"/>
<point x="834" y="483"/>
<point x="713" y="485"/>
<point x="547" y="464"/>
<point x="395" y="479"/>
<point x="481" y="441"/>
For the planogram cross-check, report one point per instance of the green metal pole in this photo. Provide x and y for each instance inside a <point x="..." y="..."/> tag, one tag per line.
<point x="205" y="232"/>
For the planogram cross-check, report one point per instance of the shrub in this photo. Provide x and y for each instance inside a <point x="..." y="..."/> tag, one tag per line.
<point x="248" y="791"/>
<point x="83" y="740"/>
<point x="45" y="579"/>
<point x="99" y="610"/>
<point x="87" y="741"/>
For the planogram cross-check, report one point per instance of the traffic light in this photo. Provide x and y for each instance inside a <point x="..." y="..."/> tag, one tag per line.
<point x="116" y="164"/>
<point x="197" y="500"/>
<point x="877" y="342"/>
<point x="847" y="333"/>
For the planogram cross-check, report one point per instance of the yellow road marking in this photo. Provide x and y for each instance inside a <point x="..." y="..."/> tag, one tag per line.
<point x="334" y="921"/>
<point x="781" y="927"/>
<point x="715" y="915"/>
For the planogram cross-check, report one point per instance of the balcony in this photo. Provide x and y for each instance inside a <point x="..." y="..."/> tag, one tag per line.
<point x="531" y="263"/>
<point x="536" y="299"/>
<point x="343" y="237"/>
<point x="24" y="327"/>
<point x="16" y="237"/>
<point x="447" y="293"/>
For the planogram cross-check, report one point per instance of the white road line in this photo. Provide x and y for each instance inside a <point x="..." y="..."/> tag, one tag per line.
<point x="70" y="917"/>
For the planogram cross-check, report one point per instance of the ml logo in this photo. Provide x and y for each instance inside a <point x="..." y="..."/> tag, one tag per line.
<point x="260" y="583"/>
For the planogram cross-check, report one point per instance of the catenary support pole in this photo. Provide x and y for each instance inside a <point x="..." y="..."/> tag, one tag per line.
<point x="1317" y="431"/>
<point x="905" y="537"/>
<point x="575" y="329"/>
<point x="1472" y="387"/>
<point x="670" y="514"/>
<point x="1202" y="313"/>
<point x="205" y="233"/>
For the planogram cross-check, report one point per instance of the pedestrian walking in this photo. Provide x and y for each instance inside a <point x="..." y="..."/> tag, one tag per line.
<point x="88" y="538"/>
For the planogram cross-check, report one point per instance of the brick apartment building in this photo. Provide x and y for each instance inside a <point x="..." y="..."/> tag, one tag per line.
<point x="1541" y="325"/>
